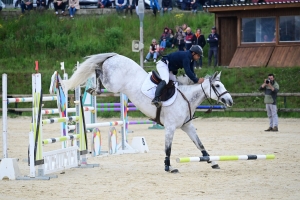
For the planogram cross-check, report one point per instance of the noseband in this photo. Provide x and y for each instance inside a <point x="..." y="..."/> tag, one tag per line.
<point x="215" y="91"/>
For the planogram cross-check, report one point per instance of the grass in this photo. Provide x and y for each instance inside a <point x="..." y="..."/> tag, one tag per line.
<point x="52" y="40"/>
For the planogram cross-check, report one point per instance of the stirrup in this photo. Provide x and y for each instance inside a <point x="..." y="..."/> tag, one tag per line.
<point x="156" y="102"/>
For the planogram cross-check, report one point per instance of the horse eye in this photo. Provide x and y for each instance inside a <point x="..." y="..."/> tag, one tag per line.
<point x="217" y="85"/>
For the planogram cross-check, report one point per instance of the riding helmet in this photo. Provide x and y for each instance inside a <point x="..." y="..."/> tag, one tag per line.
<point x="197" y="49"/>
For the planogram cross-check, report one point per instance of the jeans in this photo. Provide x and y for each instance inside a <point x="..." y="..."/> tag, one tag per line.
<point x="72" y="11"/>
<point x="272" y="114"/>
<point x="154" y="4"/>
<point x="163" y="11"/>
<point x="155" y="54"/>
<point x="163" y="44"/>
<point x="26" y="7"/>
<point x="120" y="9"/>
<point x="213" y="51"/>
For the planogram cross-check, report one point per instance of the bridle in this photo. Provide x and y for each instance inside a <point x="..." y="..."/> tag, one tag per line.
<point x="215" y="91"/>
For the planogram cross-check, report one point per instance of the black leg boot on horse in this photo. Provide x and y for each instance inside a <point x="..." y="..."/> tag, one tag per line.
<point x="160" y="87"/>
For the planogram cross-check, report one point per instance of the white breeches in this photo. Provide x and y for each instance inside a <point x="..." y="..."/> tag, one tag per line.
<point x="164" y="72"/>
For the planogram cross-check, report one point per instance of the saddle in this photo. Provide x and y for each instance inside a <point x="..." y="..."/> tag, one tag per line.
<point x="168" y="91"/>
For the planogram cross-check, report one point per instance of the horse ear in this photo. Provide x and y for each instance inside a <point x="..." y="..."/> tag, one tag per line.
<point x="215" y="75"/>
<point x="219" y="75"/>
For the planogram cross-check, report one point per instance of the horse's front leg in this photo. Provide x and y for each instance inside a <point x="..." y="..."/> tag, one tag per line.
<point x="169" y="135"/>
<point x="191" y="131"/>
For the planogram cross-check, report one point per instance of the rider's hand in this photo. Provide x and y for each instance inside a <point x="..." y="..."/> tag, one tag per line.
<point x="200" y="81"/>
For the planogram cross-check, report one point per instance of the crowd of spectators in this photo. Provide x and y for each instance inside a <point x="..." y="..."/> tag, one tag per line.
<point x="122" y="6"/>
<point x="183" y="39"/>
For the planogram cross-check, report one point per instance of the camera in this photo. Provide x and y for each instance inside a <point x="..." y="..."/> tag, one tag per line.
<point x="267" y="81"/>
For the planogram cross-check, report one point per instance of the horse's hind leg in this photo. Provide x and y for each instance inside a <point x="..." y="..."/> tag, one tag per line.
<point x="97" y="90"/>
<point x="191" y="131"/>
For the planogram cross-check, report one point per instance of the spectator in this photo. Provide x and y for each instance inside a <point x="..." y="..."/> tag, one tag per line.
<point x="171" y="40"/>
<point x="104" y="3"/>
<point x="198" y="39"/>
<point x="271" y="88"/>
<point x="153" y="51"/>
<point x="186" y="4"/>
<point x="48" y="4"/>
<point x="165" y="34"/>
<point x="166" y="6"/>
<point x="266" y="38"/>
<point x="163" y="44"/>
<point x="154" y="5"/>
<point x="213" y="41"/>
<point x="169" y="65"/>
<point x="40" y="4"/>
<point x="184" y="27"/>
<point x="16" y="3"/>
<point x="26" y="5"/>
<point x="130" y="6"/>
<point x="120" y="6"/>
<point x="188" y="38"/>
<point x="194" y="6"/>
<point x="60" y="4"/>
<point x="73" y="6"/>
<point x="179" y="38"/>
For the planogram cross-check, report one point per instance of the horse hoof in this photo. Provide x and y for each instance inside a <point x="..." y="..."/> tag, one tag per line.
<point x="174" y="171"/>
<point x="171" y="169"/>
<point x="215" y="166"/>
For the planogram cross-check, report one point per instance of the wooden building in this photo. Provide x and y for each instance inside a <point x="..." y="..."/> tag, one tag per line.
<point x="258" y="34"/>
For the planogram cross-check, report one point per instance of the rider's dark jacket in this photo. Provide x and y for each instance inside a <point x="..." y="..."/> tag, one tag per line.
<point x="182" y="59"/>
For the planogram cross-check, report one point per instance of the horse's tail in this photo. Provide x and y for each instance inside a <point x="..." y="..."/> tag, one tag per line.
<point x="85" y="70"/>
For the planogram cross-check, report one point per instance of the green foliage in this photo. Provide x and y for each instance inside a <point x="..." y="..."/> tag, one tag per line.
<point x="52" y="40"/>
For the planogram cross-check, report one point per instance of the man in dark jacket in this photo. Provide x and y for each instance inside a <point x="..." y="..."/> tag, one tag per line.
<point x="166" y="6"/>
<point x="168" y="67"/>
<point x="213" y="41"/>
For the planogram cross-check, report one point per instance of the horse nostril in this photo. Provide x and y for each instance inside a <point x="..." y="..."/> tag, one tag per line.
<point x="223" y="100"/>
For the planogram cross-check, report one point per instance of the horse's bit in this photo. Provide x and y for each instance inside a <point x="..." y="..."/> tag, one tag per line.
<point x="215" y="91"/>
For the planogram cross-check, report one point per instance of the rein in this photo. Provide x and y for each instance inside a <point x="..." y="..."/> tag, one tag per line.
<point x="215" y="91"/>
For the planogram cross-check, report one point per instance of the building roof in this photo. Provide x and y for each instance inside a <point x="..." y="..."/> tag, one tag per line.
<point x="252" y="6"/>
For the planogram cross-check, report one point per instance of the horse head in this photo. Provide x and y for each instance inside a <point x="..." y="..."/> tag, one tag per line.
<point x="217" y="90"/>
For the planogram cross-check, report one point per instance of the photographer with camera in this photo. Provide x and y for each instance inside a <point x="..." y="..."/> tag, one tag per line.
<point x="271" y="88"/>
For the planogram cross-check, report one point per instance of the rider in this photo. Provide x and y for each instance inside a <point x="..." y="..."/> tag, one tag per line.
<point x="168" y="67"/>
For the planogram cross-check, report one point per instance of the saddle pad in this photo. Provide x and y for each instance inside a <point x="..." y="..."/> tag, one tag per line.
<point x="148" y="89"/>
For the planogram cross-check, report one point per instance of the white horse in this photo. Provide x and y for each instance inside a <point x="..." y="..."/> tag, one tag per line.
<point x="121" y="74"/>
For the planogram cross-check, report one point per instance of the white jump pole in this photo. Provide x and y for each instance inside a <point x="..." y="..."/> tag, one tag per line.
<point x="4" y="115"/>
<point x="225" y="158"/>
<point x="9" y="168"/>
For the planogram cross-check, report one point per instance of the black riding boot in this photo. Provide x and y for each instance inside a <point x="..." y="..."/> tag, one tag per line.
<point x="156" y="101"/>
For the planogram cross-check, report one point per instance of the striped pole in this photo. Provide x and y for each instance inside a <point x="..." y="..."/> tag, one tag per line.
<point x="61" y="139"/>
<point x="117" y="109"/>
<point x="225" y="158"/>
<point x="30" y="99"/>
<point x="60" y="119"/>
<point x="141" y="122"/>
<point x="96" y="125"/>
<point x="69" y="110"/>
<point x="113" y="104"/>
